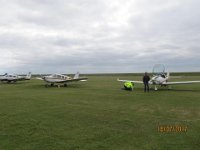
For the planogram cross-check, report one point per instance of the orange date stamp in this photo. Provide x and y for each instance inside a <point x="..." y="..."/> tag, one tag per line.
<point x="172" y="128"/>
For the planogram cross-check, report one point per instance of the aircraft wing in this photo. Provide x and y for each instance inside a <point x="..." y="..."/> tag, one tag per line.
<point x="72" y="80"/>
<point x="181" y="82"/>
<point x="130" y="81"/>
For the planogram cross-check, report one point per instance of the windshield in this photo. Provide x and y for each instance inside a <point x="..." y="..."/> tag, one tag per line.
<point x="158" y="69"/>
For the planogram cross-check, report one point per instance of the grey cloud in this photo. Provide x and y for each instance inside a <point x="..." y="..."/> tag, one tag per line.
<point x="99" y="35"/>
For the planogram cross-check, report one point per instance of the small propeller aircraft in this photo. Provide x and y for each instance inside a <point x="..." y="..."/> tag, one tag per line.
<point x="61" y="79"/>
<point x="160" y="78"/>
<point x="14" y="78"/>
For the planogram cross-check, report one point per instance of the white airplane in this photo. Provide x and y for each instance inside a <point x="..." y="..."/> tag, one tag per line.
<point x="61" y="79"/>
<point x="160" y="78"/>
<point x="14" y="78"/>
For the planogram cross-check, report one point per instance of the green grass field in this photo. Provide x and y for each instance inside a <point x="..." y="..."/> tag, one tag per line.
<point x="98" y="115"/>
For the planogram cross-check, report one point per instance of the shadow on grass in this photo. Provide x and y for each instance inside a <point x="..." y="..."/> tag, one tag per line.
<point x="126" y="90"/>
<point x="71" y="86"/>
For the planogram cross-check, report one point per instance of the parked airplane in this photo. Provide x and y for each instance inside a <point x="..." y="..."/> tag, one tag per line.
<point x="160" y="78"/>
<point x="14" y="78"/>
<point x="59" y="79"/>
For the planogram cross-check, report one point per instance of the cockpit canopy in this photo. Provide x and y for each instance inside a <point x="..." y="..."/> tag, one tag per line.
<point x="60" y="76"/>
<point x="10" y="76"/>
<point x="158" y="69"/>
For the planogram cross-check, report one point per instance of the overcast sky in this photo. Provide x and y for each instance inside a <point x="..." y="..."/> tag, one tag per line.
<point x="99" y="36"/>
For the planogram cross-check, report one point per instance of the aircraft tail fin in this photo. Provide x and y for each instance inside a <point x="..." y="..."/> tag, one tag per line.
<point x="76" y="76"/>
<point x="28" y="76"/>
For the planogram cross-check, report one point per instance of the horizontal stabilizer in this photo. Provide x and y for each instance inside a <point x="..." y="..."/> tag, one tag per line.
<point x="39" y="78"/>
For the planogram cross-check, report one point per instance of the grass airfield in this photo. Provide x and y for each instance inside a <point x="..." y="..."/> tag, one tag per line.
<point x="98" y="114"/>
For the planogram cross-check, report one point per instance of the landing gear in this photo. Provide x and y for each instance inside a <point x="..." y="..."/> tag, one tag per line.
<point x="155" y="88"/>
<point x="52" y="84"/>
<point x="47" y="85"/>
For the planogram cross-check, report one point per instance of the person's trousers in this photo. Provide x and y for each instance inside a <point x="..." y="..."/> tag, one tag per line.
<point x="146" y="87"/>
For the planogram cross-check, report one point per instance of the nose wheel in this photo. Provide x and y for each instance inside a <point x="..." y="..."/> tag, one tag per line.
<point x="155" y="88"/>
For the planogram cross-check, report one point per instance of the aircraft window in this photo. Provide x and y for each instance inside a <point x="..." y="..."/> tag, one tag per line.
<point x="163" y="75"/>
<point x="67" y="77"/>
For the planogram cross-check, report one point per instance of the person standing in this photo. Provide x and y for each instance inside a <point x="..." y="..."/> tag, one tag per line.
<point x="146" y="79"/>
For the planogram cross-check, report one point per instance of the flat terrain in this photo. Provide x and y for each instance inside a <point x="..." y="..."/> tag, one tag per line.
<point x="99" y="114"/>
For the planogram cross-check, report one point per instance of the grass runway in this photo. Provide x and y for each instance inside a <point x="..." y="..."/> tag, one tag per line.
<point x="99" y="115"/>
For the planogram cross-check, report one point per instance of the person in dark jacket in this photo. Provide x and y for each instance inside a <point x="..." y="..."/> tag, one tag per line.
<point x="146" y="79"/>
